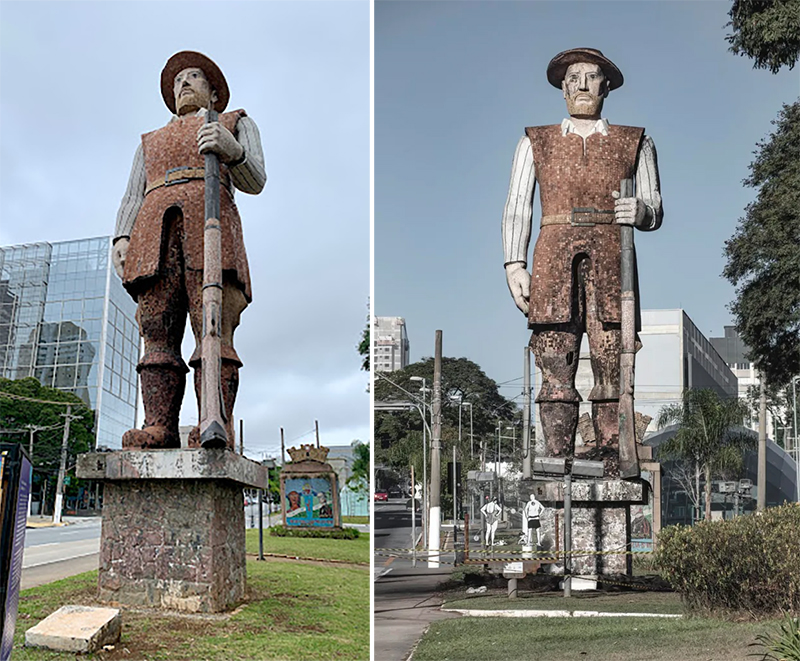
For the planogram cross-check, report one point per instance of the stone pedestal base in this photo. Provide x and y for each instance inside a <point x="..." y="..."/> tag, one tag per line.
<point x="601" y="522"/>
<point x="173" y="527"/>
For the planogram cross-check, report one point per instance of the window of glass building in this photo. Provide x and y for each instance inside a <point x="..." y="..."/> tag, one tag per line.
<point x="65" y="319"/>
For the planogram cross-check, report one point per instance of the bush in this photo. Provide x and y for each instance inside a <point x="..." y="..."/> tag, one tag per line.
<point x="745" y="566"/>
<point x="327" y="533"/>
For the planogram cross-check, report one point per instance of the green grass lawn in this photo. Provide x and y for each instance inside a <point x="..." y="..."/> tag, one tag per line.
<point x="594" y="639"/>
<point x="293" y="611"/>
<point x="605" y="602"/>
<point x="355" y="519"/>
<point x="345" y="550"/>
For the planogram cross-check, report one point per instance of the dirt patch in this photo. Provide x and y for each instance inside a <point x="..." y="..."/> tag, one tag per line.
<point x="310" y="561"/>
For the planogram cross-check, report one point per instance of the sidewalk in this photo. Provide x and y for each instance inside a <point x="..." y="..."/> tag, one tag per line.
<point x="40" y="521"/>
<point x="406" y="602"/>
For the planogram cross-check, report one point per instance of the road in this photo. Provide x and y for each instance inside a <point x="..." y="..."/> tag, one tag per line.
<point x="251" y="516"/>
<point x="54" y="553"/>
<point x="406" y="601"/>
<point x="393" y="531"/>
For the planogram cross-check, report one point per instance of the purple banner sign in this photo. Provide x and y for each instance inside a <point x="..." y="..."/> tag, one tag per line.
<point x="19" y="510"/>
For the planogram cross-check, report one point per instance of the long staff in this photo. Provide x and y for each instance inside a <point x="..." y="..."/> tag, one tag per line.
<point x="628" y="459"/>
<point x="212" y="409"/>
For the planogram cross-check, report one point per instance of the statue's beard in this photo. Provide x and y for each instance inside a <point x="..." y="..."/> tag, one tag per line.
<point x="190" y="102"/>
<point x="585" y="108"/>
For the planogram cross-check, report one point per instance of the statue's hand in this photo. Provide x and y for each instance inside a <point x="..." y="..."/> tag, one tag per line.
<point x="519" y="284"/>
<point x="118" y="253"/>
<point x="628" y="210"/>
<point x="216" y="138"/>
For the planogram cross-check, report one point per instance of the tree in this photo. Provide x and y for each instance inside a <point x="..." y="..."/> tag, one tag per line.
<point x="363" y="346"/>
<point x="358" y="482"/>
<point x="767" y="31"/>
<point x="398" y="434"/>
<point x="779" y="406"/>
<point x="709" y="434"/>
<point x="763" y="256"/>
<point x="24" y="404"/>
<point x="274" y="485"/>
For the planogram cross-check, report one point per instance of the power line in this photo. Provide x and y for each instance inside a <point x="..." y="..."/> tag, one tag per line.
<point x="37" y="401"/>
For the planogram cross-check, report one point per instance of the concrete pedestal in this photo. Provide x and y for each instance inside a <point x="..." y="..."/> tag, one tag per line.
<point x="173" y="526"/>
<point x="601" y="522"/>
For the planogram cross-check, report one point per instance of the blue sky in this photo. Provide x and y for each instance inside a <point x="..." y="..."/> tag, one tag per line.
<point x="79" y="84"/>
<point x="455" y="85"/>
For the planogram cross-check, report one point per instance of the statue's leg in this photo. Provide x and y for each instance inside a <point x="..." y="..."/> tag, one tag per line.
<point x="604" y="348"/>
<point x="162" y="320"/>
<point x="556" y="348"/>
<point x="233" y="303"/>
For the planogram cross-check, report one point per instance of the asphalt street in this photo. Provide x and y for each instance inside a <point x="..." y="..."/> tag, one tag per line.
<point x="406" y="601"/>
<point x="60" y="551"/>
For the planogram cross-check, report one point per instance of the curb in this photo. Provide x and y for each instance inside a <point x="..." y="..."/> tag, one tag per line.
<point x="551" y="613"/>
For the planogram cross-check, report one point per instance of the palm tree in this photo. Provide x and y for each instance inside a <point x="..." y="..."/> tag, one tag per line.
<point x="709" y="434"/>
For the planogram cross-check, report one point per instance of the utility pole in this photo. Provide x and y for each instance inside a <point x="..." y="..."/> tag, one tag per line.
<point x="761" y="503"/>
<point x="567" y="534"/>
<point x="316" y="429"/>
<point x="241" y="436"/>
<point x="471" y="439"/>
<point x="526" y="415"/>
<point x="499" y="432"/>
<point x="434" y="525"/>
<point x="413" y="519"/>
<point x="455" y="511"/>
<point x="283" y="450"/>
<point x="62" y="469"/>
<point x="796" y="446"/>
<point x="425" y="487"/>
<point x="32" y="429"/>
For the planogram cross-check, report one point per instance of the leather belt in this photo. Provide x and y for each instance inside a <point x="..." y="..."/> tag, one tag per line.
<point x="580" y="217"/>
<point x="174" y="176"/>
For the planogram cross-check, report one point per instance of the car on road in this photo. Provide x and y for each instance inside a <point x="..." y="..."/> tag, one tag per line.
<point x="381" y="496"/>
<point x="417" y="504"/>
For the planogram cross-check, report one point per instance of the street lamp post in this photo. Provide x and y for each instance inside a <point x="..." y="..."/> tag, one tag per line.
<point x="424" y="462"/>
<point x="471" y="448"/>
<point x="796" y="445"/>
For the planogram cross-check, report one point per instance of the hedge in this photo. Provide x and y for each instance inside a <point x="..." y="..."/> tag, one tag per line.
<point x="328" y="533"/>
<point x="749" y="565"/>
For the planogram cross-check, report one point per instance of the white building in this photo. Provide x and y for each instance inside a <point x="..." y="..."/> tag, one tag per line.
<point x="734" y="352"/>
<point x="390" y="340"/>
<point x="675" y="355"/>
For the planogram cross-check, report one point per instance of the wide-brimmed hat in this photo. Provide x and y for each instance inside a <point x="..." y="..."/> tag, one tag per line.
<point x="557" y="68"/>
<point x="185" y="60"/>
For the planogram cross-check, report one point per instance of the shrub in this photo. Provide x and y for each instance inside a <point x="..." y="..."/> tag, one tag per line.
<point x="748" y="565"/>
<point x="327" y="533"/>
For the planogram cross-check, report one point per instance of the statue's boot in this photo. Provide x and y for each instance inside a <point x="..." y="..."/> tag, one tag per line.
<point x="163" y="378"/>
<point x="605" y="418"/>
<point x="230" y="387"/>
<point x="559" y="422"/>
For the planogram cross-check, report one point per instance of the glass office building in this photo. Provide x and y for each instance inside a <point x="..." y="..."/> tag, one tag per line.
<point x="66" y="320"/>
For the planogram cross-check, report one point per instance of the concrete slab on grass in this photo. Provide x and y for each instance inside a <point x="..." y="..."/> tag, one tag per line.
<point x="76" y="629"/>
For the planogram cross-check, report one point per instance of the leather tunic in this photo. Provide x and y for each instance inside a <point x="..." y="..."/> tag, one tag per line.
<point x="570" y="176"/>
<point x="174" y="146"/>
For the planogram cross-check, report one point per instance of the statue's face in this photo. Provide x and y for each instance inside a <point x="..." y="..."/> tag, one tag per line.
<point x="192" y="91"/>
<point x="585" y="87"/>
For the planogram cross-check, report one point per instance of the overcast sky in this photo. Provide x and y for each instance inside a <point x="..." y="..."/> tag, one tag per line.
<point x="456" y="83"/>
<point x="79" y="84"/>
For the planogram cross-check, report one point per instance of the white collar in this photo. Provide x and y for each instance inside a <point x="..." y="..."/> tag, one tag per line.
<point x="600" y="126"/>
<point x="199" y="113"/>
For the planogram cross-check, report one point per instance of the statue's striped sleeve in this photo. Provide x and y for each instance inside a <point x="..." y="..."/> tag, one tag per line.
<point x="517" y="215"/>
